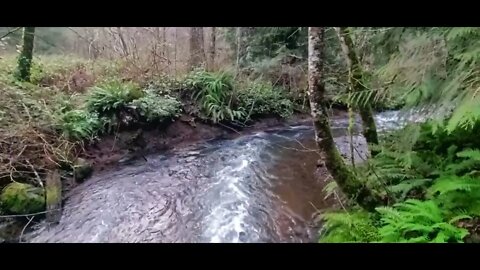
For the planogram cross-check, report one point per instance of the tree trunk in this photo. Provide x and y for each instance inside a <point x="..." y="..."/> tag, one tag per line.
<point x="25" y="58"/>
<point x="334" y="163"/>
<point x="211" y="53"/>
<point x="197" y="52"/>
<point x="239" y="34"/>
<point x="356" y="84"/>
<point x="175" y="51"/>
<point x="53" y="194"/>
<point x="164" y="42"/>
<point x="122" y="41"/>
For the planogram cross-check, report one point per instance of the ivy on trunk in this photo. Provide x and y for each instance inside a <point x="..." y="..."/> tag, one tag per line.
<point x="25" y="57"/>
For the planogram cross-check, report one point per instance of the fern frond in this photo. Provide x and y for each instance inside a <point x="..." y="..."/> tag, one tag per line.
<point x="348" y="227"/>
<point x="406" y="186"/>
<point x="452" y="183"/>
<point x="470" y="153"/>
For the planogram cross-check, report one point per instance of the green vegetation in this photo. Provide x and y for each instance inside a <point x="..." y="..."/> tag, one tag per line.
<point x="262" y="98"/>
<point x="222" y="99"/>
<point x="18" y="198"/>
<point x="421" y="183"/>
<point x="108" y="98"/>
<point x="72" y="102"/>
<point x="428" y="171"/>
<point x="155" y="108"/>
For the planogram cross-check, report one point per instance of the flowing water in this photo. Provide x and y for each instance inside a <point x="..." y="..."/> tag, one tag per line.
<point x="256" y="188"/>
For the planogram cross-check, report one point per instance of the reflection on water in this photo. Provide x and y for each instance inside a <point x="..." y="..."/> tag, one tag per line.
<point x="256" y="188"/>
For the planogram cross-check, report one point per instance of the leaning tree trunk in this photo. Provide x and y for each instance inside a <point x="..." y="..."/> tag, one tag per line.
<point x="197" y="52"/>
<point x="25" y="58"/>
<point x="345" y="179"/>
<point x="356" y="84"/>
<point x="211" y="51"/>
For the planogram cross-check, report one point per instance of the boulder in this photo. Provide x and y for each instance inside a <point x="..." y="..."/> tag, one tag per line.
<point x="82" y="169"/>
<point x="19" y="198"/>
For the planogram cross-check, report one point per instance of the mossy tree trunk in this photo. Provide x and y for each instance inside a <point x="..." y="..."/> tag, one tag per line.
<point x="356" y="84"/>
<point x="345" y="179"/>
<point x="53" y="197"/>
<point x="26" y="54"/>
<point x="197" y="51"/>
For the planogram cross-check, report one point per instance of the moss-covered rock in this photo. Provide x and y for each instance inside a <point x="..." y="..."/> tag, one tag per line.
<point x="82" y="169"/>
<point x="18" y="198"/>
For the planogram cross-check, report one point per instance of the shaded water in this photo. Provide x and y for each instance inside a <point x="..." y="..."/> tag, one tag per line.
<point x="256" y="188"/>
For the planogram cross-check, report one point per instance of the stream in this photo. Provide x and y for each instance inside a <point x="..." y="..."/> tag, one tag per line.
<point x="259" y="187"/>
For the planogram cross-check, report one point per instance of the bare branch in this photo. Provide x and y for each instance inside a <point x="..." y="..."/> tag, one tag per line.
<point x="10" y="32"/>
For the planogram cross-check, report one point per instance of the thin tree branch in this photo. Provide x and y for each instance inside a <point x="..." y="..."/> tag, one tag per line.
<point x="23" y="230"/>
<point x="10" y="32"/>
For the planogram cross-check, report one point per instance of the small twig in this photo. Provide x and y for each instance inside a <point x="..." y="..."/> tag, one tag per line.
<point x="316" y="209"/>
<point x="38" y="213"/>
<point x="36" y="174"/>
<point x="340" y="201"/>
<point x="115" y="138"/>
<point x="229" y="128"/>
<point x="23" y="230"/>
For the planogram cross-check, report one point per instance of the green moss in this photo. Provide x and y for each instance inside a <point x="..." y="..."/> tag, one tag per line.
<point x="53" y="195"/>
<point x="18" y="198"/>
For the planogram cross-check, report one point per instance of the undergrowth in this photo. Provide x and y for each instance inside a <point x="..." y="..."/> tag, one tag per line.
<point x="433" y="182"/>
<point x="69" y="102"/>
<point x="224" y="99"/>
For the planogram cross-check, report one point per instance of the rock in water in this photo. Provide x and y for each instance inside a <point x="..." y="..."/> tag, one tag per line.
<point x="53" y="189"/>
<point x="19" y="198"/>
<point x="81" y="169"/>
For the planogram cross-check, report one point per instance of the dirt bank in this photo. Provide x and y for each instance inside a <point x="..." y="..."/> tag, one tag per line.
<point x="112" y="150"/>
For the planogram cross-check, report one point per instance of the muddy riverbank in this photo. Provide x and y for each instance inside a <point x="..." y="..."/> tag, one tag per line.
<point x="209" y="184"/>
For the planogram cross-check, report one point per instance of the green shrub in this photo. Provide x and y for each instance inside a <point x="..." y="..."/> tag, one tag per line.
<point x="155" y="108"/>
<point x="107" y="98"/>
<point x="80" y="124"/>
<point x="260" y="98"/>
<point x="433" y="174"/>
<point x="214" y="91"/>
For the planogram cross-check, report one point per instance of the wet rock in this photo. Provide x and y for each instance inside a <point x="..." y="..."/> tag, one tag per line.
<point x="299" y="231"/>
<point x="242" y="236"/>
<point x="82" y="169"/>
<point x="10" y="229"/>
<point x="19" y="198"/>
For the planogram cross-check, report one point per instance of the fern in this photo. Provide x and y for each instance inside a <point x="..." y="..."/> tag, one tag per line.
<point x="79" y="124"/>
<point x="415" y="221"/>
<point x="214" y="91"/>
<point x="349" y="227"/>
<point x="470" y="153"/>
<point x="457" y="193"/>
<point x="329" y="189"/>
<point x="109" y="97"/>
<point x="404" y="187"/>
<point x="452" y="183"/>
